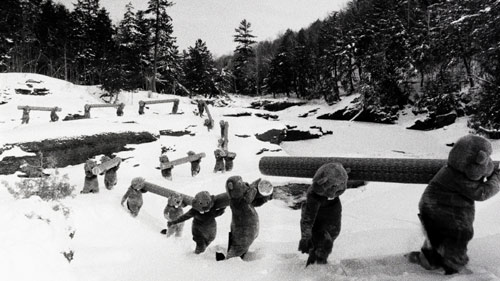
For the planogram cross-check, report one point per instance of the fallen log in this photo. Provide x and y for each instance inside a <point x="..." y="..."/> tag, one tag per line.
<point x="400" y="170"/>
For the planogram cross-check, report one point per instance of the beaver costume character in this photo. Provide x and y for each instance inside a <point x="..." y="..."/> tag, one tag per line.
<point x="110" y="179"/>
<point x="322" y="212"/>
<point x="91" y="184"/>
<point x="133" y="196"/>
<point x="243" y="198"/>
<point x="447" y="205"/>
<point x="205" y="209"/>
<point x="172" y="211"/>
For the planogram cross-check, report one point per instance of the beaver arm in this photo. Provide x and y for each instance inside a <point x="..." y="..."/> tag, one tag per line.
<point x="261" y="200"/>
<point x="125" y="196"/>
<point x="189" y="214"/>
<point x="308" y="217"/>
<point x="250" y="195"/>
<point x="481" y="191"/>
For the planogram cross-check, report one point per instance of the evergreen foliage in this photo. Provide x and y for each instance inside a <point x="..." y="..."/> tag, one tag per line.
<point x="199" y="70"/>
<point x="392" y="52"/>
<point x="244" y="71"/>
<point x="165" y="68"/>
<point x="51" y="187"/>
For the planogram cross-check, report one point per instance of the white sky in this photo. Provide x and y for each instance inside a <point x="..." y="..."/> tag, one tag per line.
<point x="214" y="21"/>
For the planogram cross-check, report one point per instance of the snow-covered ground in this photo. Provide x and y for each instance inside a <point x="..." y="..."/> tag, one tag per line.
<point x="379" y="219"/>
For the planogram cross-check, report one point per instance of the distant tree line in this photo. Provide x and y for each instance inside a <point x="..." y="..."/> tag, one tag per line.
<point x="392" y="52"/>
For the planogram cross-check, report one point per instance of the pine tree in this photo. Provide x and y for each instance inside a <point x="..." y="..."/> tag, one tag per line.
<point x="199" y="69"/>
<point x="165" y="53"/>
<point x="10" y="26"/>
<point x="144" y="46"/>
<point x="331" y="49"/>
<point x="302" y="69"/>
<point x="385" y="55"/>
<point x="281" y="77"/>
<point x="485" y="18"/>
<point x="456" y="26"/>
<point x="124" y="70"/>
<point x="244" y="71"/>
<point x="53" y="32"/>
<point x="92" y="38"/>
<point x="128" y="58"/>
<point x="24" y="48"/>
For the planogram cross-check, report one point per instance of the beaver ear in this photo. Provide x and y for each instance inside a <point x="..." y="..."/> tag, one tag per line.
<point x="348" y="170"/>
<point x="481" y="157"/>
<point x="230" y="186"/>
<point x="322" y="180"/>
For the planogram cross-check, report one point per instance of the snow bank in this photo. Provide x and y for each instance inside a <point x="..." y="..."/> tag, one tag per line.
<point x="379" y="219"/>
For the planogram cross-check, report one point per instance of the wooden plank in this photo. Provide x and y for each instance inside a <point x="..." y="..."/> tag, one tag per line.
<point x="224" y="134"/>
<point x="39" y="108"/>
<point x="159" y="101"/>
<point x="182" y="160"/>
<point x="103" y="167"/>
<point x="99" y="105"/>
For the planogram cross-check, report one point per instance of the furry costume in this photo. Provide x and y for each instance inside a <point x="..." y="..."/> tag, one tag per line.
<point x="205" y="209"/>
<point x="219" y="161"/>
<point x="53" y="115"/>
<point x="25" y="118"/>
<point x="166" y="173"/>
<point x="447" y="206"/>
<point x="195" y="165"/>
<point x="173" y="211"/>
<point x="322" y="212"/>
<point x="243" y="198"/>
<point x="91" y="184"/>
<point x="133" y="196"/>
<point x="110" y="179"/>
<point x="229" y="161"/>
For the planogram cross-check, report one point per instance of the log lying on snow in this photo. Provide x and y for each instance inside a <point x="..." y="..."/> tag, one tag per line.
<point x="401" y="170"/>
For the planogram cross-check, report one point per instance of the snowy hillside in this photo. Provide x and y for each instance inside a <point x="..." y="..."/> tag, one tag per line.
<point x="379" y="219"/>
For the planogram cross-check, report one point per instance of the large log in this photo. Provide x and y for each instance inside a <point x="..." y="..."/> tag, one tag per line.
<point x="222" y="199"/>
<point x="39" y="108"/>
<point x="165" y="192"/>
<point x="401" y="170"/>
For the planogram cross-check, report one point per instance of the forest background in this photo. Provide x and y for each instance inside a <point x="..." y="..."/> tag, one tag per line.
<point x="436" y="56"/>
